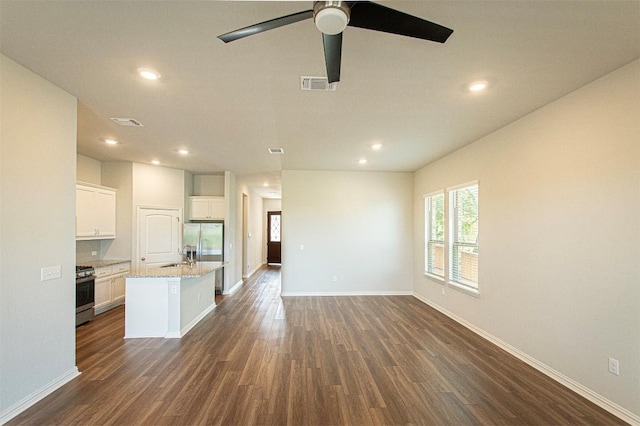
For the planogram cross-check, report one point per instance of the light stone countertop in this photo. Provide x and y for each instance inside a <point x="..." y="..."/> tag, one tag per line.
<point x="104" y="263"/>
<point x="183" y="271"/>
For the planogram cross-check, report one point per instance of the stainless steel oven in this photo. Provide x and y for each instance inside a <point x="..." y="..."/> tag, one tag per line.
<point x="85" y="294"/>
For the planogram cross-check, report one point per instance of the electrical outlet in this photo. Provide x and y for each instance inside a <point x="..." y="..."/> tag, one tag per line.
<point x="94" y="253"/>
<point x="614" y="366"/>
<point x="174" y="289"/>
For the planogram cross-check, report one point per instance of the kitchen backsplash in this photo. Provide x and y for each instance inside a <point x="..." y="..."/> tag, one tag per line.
<point x="85" y="250"/>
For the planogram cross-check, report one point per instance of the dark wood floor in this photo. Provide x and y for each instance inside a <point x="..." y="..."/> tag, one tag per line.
<point x="262" y="359"/>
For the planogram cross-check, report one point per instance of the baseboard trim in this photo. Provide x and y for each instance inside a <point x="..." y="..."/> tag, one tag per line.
<point x="105" y="308"/>
<point x="255" y="270"/>
<point x="347" y="293"/>
<point x="192" y="324"/>
<point x="578" y="388"/>
<point x="233" y="289"/>
<point x="38" y="395"/>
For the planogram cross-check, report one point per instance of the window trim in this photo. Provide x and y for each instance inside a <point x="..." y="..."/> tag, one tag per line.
<point x="474" y="289"/>
<point x="444" y="240"/>
<point x="446" y="280"/>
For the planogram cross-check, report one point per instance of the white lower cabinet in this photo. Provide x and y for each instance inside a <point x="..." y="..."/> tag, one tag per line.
<point x="110" y="286"/>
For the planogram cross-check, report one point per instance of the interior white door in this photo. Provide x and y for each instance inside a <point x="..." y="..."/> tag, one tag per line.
<point x="159" y="237"/>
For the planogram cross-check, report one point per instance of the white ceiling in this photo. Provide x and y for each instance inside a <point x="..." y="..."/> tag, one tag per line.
<point x="228" y="103"/>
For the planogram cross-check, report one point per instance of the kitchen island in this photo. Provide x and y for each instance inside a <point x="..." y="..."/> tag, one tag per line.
<point x="169" y="301"/>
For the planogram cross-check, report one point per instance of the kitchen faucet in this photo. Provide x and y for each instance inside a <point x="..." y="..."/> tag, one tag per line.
<point x="189" y="254"/>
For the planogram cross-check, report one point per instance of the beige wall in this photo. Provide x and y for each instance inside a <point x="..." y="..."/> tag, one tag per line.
<point x="88" y="170"/>
<point x="356" y="226"/>
<point x="37" y="228"/>
<point x="157" y="186"/>
<point x="559" y="235"/>
<point x="232" y="233"/>
<point x="212" y="185"/>
<point x="254" y="228"/>
<point x="119" y="175"/>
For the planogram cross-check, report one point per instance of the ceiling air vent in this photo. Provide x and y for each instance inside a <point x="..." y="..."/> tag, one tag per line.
<point x="318" y="84"/>
<point x="276" y="151"/>
<point x="130" y="122"/>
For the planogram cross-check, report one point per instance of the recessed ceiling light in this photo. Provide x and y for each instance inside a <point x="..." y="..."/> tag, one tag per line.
<point x="183" y="151"/>
<point x="266" y="184"/>
<point x="376" y="146"/>
<point x="155" y="162"/>
<point x="362" y="161"/>
<point x="479" y="85"/>
<point x="148" y="73"/>
<point x="111" y="142"/>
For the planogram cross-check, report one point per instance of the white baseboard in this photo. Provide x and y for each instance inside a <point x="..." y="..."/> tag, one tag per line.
<point x="254" y="270"/>
<point x="36" y="396"/>
<point x="192" y="324"/>
<point x="233" y="289"/>
<point x="105" y="308"/>
<point x="578" y="388"/>
<point x="348" y="293"/>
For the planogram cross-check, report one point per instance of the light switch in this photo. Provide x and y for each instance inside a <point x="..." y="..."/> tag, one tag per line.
<point x="50" y="273"/>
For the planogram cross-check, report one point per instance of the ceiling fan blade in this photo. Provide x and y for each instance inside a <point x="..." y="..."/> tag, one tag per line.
<point x="332" y="55"/>
<point x="266" y="26"/>
<point x="372" y="16"/>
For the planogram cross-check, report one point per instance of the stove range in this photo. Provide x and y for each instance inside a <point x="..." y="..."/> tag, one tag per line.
<point x="84" y="271"/>
<point x="85" y="294"/>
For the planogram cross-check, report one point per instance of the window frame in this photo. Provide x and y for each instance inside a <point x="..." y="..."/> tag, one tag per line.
<point x="470" y="288"/>
<point x="427" y="234"/>
<point x="466" y="285"/>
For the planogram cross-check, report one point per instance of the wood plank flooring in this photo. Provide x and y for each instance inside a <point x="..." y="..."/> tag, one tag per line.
<point x="262" y="359"/>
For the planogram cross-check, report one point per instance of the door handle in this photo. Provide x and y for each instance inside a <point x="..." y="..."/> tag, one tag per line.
<point x="143" y="259"/>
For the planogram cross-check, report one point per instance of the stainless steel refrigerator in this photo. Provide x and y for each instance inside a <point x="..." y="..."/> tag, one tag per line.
<point x="207" y="242"/>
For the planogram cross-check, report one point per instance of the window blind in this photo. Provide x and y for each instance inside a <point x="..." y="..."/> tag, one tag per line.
<point x="463" y="250"/>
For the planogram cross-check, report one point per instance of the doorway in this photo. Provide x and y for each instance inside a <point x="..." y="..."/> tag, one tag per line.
<point x="274" y="237"/>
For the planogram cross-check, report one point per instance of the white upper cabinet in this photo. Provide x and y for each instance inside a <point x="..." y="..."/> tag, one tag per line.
<point x="95" y="213"/>
<point x="206" y="208"/>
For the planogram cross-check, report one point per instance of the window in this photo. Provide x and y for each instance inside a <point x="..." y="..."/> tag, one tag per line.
<point x="434" y="234"/>
<point x="451" y="246"/>
<point x="463" y="247"/>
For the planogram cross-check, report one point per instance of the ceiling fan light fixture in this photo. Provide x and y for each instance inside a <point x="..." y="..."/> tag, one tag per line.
<point x="331" y="17"/>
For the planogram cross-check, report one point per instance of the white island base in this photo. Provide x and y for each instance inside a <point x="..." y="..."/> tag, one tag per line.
<point x="168" y="302"/>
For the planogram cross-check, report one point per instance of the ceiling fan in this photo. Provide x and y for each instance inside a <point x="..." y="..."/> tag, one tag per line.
<point x="332" y="17"/>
